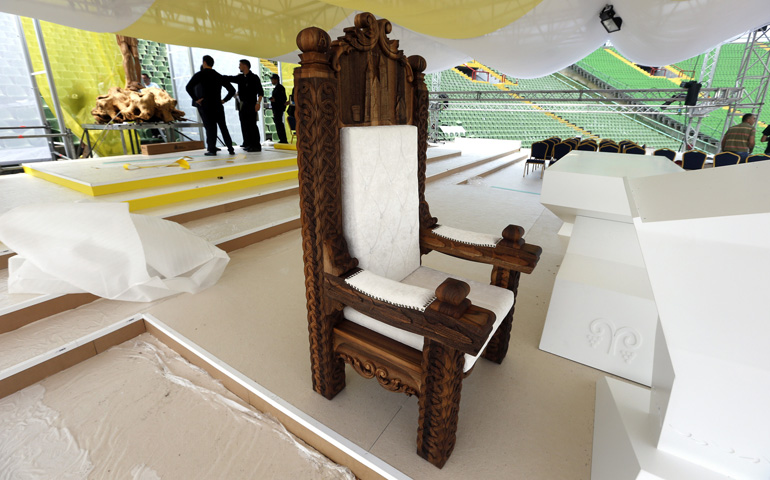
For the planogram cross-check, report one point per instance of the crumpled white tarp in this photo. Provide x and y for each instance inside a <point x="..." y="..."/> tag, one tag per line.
<point x="103" y="249"/>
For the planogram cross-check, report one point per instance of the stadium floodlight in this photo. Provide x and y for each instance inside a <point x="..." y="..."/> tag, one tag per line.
<point x="610" y="22"/>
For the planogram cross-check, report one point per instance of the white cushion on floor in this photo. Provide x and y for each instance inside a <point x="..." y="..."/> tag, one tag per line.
<point x="496" y="299"/>
<point x="380" y="201"/>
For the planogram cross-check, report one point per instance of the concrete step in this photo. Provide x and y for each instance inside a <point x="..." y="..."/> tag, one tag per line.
<point x="457" y="164"/>
<point x="492" y="167"/>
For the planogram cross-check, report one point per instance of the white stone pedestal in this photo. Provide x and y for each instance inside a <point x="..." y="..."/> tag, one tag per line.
<point x="624" y="439"/>
<point x="705" y="239"/>
<point x="602" y="311"/>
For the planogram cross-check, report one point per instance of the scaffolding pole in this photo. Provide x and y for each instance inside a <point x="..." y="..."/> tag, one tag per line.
<point x="35" y="88"/>
<point x="69" y="148"/>
<point x="755" y="66"/>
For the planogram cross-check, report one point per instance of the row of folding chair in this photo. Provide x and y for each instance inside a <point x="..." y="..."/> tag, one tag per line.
<point x="729" y="158"/>
<point x="542" y="152"/>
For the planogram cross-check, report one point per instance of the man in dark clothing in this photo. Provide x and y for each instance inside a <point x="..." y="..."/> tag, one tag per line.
<point x="766" y="138"/>
<point x="250" y="94"/>
<point x="278" y="102"/>
<point x="205" y="88"/>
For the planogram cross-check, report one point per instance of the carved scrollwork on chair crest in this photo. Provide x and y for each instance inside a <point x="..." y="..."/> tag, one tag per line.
<point x="368" y="33"/>
<point x="367" y="369"/>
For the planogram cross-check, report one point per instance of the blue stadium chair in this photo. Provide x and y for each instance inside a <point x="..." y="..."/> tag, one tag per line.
<point x="538" y="157"/>
<point x="693" y="160"/>
<point x="757" y="158"/>
<point x="665" y="152"/>
<point x="726" y="158"/>
<point x="634" y="150"/>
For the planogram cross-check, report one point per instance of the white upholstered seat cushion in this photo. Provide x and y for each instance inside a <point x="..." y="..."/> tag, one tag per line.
<point x="496" y="299"/>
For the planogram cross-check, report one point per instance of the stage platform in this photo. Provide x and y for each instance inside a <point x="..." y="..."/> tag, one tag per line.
<point x="513" y="417"/>
<point x="261" y="207"/>
<point x="103" y="176"/>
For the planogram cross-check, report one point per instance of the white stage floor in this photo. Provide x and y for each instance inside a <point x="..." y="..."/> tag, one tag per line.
<point x="529" y="418"/>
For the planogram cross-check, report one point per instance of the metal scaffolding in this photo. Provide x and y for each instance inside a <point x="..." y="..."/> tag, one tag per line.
<point x="753" y="77"/>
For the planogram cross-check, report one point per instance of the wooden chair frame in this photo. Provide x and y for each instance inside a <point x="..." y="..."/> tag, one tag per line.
<point x="362" y="79"/>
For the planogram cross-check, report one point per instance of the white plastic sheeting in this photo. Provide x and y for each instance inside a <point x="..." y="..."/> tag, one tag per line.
<point x="33" y="444"/>
<point x="103" y="249"/>
<point x="139" y="410"/>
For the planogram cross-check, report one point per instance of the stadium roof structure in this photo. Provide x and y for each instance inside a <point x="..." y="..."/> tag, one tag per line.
<point x="524" y="38"/>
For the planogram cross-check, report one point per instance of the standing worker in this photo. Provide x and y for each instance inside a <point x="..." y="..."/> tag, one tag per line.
<point x="740" y="138"/>
<point x="766" y="138"/>
<point x="208" y="99"/>
<point x="278" y="102"/>
<point x="250" y="94"/>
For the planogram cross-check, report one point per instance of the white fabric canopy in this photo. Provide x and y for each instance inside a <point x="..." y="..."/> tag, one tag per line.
<point x="540" y="38"/>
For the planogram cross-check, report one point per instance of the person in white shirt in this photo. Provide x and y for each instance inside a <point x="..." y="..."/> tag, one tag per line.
<point x="147" y="82"/>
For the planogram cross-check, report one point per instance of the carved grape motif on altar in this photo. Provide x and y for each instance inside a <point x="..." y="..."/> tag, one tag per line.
<point x="624" y="341"/>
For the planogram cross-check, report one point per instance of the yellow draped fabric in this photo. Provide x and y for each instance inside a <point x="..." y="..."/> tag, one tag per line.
<point x="268" y="28"/>
<point x="259" y="28"/>
<point x="445" y="18"/>
<point x="84" y="65"/>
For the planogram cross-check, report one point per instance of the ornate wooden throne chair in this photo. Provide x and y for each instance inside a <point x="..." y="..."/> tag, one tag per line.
<point x="362" y="112"/>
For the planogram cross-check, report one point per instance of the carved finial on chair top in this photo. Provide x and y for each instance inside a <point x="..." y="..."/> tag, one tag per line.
<point x="513" y="236"/>
<point x="314" y="44"/>
<point x="417" y="63"/>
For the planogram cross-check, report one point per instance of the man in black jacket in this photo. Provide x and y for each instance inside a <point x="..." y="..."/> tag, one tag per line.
<point x="278" y="102"/>
<point x="250" y="94"/>
<point x="205" y="88"/>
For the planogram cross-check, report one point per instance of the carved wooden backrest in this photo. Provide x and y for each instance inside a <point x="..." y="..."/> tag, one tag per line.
<point x="359" y="80"/>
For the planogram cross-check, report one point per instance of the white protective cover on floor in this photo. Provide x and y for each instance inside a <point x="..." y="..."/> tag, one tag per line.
<point x="141" y="411"/>
<point x="102" y="249"/>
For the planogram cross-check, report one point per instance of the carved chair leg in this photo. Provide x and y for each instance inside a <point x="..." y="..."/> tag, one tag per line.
<point x="498" y="346"/>
<point x="328" y="372"/>
<point x="439" y="402"/>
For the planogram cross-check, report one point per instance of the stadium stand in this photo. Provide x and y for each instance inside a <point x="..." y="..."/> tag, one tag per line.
<point x="538" y="122"/>
<point x="611" y="67"/>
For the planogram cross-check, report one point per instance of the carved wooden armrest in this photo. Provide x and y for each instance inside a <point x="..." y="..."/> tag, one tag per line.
<point x="512" y="252"/>
<point x="449" y="319"/>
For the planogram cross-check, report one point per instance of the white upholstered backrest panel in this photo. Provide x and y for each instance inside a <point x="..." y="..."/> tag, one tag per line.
<point x="380" y="210"/>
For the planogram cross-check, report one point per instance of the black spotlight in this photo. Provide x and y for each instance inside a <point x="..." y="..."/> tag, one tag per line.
<point x="693" y="90"/>
<point x="610" y="22"/>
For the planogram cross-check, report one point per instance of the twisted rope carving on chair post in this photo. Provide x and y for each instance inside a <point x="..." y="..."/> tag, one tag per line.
<point x="497" y="347"/>
<point x="439" y="402"/>
<point x="420" y="120"/>
<point x="508" y="279"/>
<point x="315" y="96"/>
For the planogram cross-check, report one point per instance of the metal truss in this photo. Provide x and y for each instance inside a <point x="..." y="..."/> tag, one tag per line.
<point x="755" y="66"/>
<point x="663" y="99"/>
<point x="708" y="68"/>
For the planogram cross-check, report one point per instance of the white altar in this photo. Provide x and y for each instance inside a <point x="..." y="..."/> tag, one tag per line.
<point x="602" y="311"/>
<point x="705" y="239"/>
